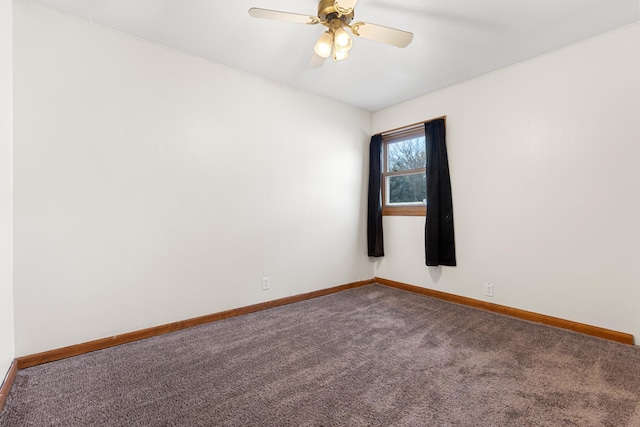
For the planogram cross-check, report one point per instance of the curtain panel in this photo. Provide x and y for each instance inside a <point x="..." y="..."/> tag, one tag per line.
<point x="375" y="244"/>
<point x="440" y="247"/>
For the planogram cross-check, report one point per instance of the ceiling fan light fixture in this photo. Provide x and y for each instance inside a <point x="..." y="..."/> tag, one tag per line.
<point x="339" y="56"/>
<point x="337" y="16"/>
<point x="342" y="41"/>
<point x="324" y="45"/>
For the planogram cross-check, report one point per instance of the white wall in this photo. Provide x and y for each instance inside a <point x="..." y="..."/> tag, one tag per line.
<point x="151" y="186"/>
<point x="546" y="185"/>
<point x="6" y="234"/>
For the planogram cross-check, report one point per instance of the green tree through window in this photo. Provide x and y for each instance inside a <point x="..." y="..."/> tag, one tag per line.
<point x="407" y="155"/>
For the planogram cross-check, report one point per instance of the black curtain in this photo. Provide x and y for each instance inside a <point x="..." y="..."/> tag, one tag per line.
<point x="374" y="212"/>
<point x="440" y="247"/>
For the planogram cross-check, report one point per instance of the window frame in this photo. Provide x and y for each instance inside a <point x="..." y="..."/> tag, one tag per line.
<point x="401" y="134"/>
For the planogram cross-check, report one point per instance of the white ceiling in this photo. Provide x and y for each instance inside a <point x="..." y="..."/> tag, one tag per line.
<point x="454" y="40"/>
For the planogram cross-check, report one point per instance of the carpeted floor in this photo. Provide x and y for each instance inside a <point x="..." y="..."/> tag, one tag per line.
<point x="371" y="356"/>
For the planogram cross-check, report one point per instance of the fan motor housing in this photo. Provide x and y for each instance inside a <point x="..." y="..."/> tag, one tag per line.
<point x="327" y="12"/>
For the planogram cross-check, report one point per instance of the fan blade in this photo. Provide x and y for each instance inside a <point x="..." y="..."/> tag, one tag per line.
<point x="344" y="7"/>
<point x="316" y="61"/>
<point x="382" y="34"/>
<point x="283" y="16"/>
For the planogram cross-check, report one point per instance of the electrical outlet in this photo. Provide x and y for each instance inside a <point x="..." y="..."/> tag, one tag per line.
<point x="488" y="289"/>
<point x="265" y="283"/>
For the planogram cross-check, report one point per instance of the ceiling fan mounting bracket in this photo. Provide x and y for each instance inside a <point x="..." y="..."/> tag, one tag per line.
<point x="327" y="10"/>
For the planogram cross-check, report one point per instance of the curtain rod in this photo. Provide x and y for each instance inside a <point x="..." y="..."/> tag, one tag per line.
<point x="386" y="132"/>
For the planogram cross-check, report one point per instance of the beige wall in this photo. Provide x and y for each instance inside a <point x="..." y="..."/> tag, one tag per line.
<point x="151" y="186"/>
<point x="6" y="217"/>
<point x="546" y="185"/>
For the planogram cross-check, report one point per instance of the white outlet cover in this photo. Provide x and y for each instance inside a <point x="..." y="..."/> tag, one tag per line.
<point x="488" y="289"/>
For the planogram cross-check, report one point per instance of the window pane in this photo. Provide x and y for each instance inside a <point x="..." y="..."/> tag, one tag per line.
<point x="407" y="154"/>
<point x="404" y="189"/>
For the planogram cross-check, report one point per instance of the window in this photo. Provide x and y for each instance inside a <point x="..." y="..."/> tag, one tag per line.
<point x="404" y="179"/>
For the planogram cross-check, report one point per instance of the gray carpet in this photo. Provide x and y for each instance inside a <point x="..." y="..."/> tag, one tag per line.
<point x="371" y="356"/>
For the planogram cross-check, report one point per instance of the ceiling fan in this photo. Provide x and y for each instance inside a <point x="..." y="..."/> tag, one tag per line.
<point x="337" y="15"/>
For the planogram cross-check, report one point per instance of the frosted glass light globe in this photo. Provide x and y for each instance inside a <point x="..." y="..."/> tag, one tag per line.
<point x="343" y="42"/>
<point x="323" y="45"/>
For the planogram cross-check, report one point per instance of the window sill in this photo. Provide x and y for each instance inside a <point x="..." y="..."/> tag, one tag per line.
<point x="404" y="211"/>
